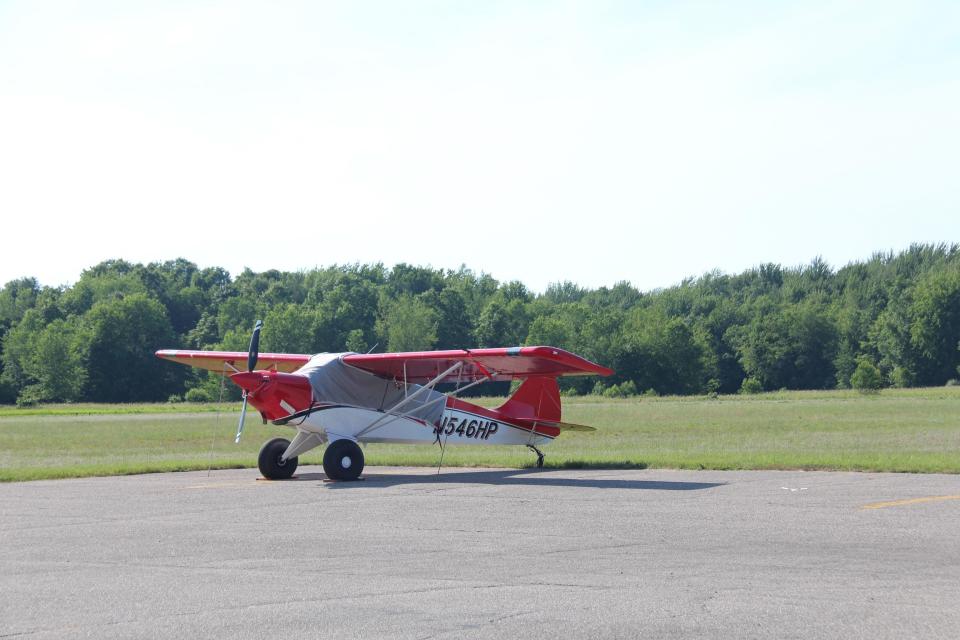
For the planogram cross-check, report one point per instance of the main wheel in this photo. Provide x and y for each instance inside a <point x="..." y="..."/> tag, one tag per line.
<point x="271" y="465"/>
<point x="343" y="460"/>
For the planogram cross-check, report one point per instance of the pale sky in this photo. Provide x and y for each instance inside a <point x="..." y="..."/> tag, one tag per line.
<point x="584" y="141"/>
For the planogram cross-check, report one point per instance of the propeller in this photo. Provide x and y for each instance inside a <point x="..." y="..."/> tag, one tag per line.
<point x="253" y="353"/>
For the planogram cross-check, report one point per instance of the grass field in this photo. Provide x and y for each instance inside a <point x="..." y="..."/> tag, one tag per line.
<point x="914" y="430"/>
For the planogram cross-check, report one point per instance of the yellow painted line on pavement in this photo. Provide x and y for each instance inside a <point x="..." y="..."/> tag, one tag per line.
<point x="900" y="503"/>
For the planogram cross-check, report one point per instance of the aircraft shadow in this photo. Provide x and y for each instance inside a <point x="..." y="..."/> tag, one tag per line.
<point x="528" y="477"/>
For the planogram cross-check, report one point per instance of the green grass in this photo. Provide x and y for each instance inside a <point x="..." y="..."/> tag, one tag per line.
<point x="916" y="430"/>
<point x="91" y="409"/>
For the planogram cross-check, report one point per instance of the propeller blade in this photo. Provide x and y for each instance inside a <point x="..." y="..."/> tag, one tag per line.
<point x="254" y="351"/>
<point x="243" y="415"/>
<point x="253" y="355"/>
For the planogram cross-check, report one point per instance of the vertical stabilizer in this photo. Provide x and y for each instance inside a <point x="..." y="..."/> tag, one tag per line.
<point x="537" y="398"/>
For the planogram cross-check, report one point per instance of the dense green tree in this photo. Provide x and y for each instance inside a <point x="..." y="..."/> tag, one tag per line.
<point x="205" y="335"/>
<point x="409" y="325"/>
<point x="716" y="316"/>
<point x="454" y="324"/>
<point x="108" y="280"/>
<point x="505" y="320"/>
<point x="56" y="366"/>
<point x="16" y="298"/>
<point x="600" y="333"/>
<point x="502" y="323"/>
<point x="356" y="341"/>
<point x="18" y="346"/>
<point x="663" y="354"/>
<point x="621" y="296"/>
<point x="123" y="335"/>
<point x="788" y="347"/>
<point x="802" y="327"/>
<point x="866" y="377"/>
<point x="239" y="313"/>
<point x="351" y="304"/>
<point x="293" y="329"/>
<point x="475" y="290"/>
<point x="405" y="279"/>
<point x="852" y="327"/>
<point x="935" y="325"/>
<point x="566" y="291"/>
<point x="889" y="336"/>
<point x="553" y="331"/>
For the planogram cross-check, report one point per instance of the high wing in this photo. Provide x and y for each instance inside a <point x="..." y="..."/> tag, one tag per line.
<point x="477" y="364"/>
<point x="413" y="366"/>
<point x="234" y="361"/>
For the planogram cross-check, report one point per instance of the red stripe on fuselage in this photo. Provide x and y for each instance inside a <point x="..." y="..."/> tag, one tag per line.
<point x="460" y="405"/>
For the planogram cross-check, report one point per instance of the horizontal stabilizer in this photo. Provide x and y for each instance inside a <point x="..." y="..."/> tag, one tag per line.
<point x="562" y="426"/>
<point x="569" y="426"/>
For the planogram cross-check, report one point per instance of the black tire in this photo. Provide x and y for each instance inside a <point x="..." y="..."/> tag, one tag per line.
<point x="271" y="466"/>
<point x="343" y="460"/>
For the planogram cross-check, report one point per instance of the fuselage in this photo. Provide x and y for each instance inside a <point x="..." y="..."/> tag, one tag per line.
<point x="288" y="398"/>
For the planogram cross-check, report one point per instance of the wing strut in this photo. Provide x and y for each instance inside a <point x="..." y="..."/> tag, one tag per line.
<point x="389" y="412"/>
<point x="452" y="394"/>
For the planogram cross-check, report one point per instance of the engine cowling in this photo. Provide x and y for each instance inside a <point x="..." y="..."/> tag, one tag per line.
<point x="274" y="394"/>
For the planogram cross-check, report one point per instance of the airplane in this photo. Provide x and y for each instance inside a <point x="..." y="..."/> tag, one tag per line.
<point x="342" y="400"/>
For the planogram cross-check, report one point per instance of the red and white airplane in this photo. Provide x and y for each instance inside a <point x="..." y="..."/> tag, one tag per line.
<point x="342" y="399"/>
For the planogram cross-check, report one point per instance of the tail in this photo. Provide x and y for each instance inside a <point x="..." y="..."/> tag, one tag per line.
<point x="536" y="404"/>
<point x="537" y="398"/>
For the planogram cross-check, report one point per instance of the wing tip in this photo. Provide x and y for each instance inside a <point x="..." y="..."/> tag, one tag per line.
<point x="585" y="366"/>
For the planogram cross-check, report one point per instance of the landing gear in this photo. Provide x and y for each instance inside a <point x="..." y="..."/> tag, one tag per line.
<point x="343" y="460"/>
<point x="539" y="455"/>
<point x="272" y="466"/>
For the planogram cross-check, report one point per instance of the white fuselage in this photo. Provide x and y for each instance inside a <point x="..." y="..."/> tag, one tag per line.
<point x="457" y="426"/>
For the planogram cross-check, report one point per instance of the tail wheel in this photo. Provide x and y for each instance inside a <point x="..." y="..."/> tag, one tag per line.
<point x="343" y="460"/>
<point x="271" y="464"/>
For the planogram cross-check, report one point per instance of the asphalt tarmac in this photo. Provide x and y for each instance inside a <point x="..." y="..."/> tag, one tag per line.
<point x="405" y="553"/>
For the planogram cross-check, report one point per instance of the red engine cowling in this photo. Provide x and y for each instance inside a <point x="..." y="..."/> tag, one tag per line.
<point x="275" y="395"/>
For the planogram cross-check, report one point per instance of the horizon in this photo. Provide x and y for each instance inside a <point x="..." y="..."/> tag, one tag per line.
<point x="716" y="271"/>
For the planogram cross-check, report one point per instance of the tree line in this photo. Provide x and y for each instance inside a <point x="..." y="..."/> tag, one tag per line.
<point x="892" y="320"/>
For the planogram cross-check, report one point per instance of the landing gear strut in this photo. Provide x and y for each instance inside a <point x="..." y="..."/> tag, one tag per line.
<point x="539" y="455"/>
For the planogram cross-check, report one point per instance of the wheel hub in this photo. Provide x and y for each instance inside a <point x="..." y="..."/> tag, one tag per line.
<point x="346" y="462"/>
